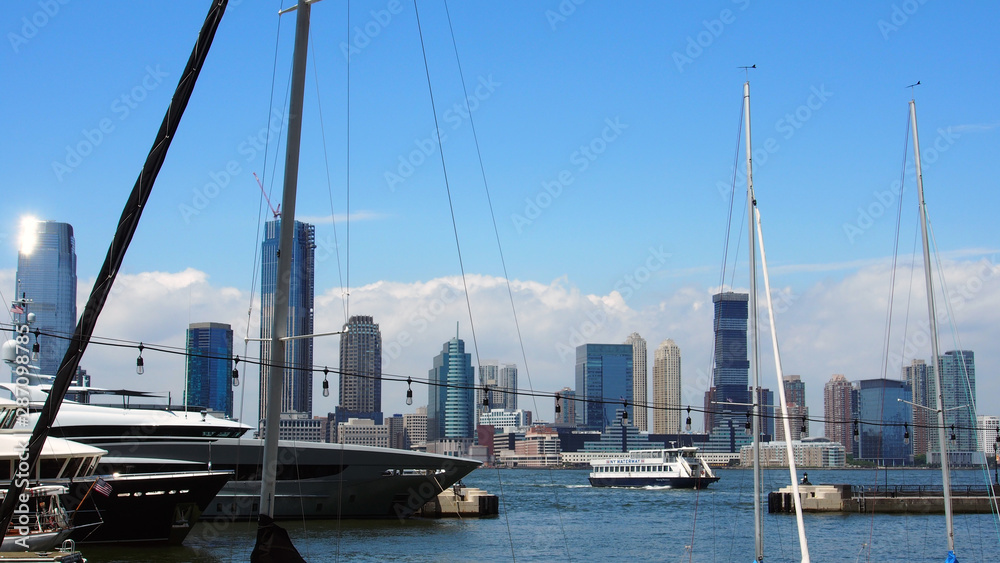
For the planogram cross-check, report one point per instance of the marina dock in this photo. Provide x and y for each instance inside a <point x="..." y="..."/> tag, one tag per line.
<point x="881" y="499"/>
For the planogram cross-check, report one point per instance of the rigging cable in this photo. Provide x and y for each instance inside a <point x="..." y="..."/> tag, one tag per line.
<point x="503" y="263"/>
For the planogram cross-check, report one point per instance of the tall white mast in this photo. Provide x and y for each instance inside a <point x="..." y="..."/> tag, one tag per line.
<point x="943" y="445"/>
<point x="279" y="328"/>
<point x="752" y="335"/>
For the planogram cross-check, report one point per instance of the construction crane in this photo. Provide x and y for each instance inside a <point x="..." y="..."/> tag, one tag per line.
<point x="275" y="212"/>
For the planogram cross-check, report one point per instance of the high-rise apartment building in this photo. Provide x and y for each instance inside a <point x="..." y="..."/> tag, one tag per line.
<point x="450" y="401"/>
<point x="565" y="412"/>
<point x="361" y="369"/>
<point x="958" y="372"/>
<point x="296" y="394"/>
<point x="415" y="428"/>
<point x="639" y="380"/>
<point x="46" y="276"/>
<point x="798" y="412"/>
<point x="603" y="385"/>
<point x="838" y="412"/>
<point x="730" y="374"/>
<point x="210" y="366"/>
<point x="918" y="374"/>
<point x="667" y="388"/>
<point x="501" y="380"/>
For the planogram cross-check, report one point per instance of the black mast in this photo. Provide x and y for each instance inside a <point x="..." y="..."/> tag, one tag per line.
<point x="127" y="226"/>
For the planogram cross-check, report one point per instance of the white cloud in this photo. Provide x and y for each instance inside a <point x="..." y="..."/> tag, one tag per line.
<point x="832" y="326"/>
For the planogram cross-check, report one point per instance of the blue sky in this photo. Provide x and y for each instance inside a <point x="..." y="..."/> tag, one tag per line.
<point x="650" y="89"/>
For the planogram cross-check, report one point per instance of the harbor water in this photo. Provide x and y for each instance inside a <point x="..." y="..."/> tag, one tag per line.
<point x="555" y="515"/>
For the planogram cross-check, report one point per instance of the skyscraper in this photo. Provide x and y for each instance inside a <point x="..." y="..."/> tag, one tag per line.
<point x="798" y="412"/>
<point x="603" y="385"/>
<point x="296" y="394"/>
<point x="450" y="402"/>
<point x="566" y="413"/>
<point x="730" y="373"/>
<point x="838" y="412"/>
<point x="210" y="366"/>
<point x="667" y="388"/>
<point x="958" y="371"/>
<point x="46" y="275"/>
<point x="502" y="383"/>
<point x="883" y="414"/>
<point x="639" y="379"/>
<point x="918" y="375"/>
<point x="361" y="368"/>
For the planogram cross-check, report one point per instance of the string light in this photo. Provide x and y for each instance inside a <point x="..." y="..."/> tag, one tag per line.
<point x="236" y="372"/>
<point x="624" y="412"/>
<point x="906" y="434"/>
<point x="558" y="406"/>
<point x="748" y="422"/>
<point x="856" y="435"/>
<point x="804" y="428"/>
<point x="139" y="368"/>
<point x="952" y="432"/>
<point x="326" y="384"/>
<point x="409" y="391"/>
<point x="121" y="343"/>
<point x="486" y="399"/>
<point x="36" y="348"/>
<point x="687" y="423"/>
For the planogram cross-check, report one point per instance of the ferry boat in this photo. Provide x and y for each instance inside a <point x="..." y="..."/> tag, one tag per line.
<point x="676" y="468"/>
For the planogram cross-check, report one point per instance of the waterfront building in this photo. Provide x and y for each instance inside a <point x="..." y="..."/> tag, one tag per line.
<point x="450" y="404"/>
<point x="639" y="380"/>
<point x="538" y="448"/>
<point x="415" y="429"/>
<point x="361" y="370"/>
<point x="363" y="432"/>
<point x="296" y="394"/>
<point x="798" y="412"/>
<point x="210" y="367"/>
<point x="958" y="371"/>
<point x="987" y="428"/>
<point x="565" y="413"/>
<point x="667" y="388"/>
<point x="501" y="380"/>
<point x="882" y="416"/>
<point x="730" y="391"/>
<point x="837" y="411"/>
<point x="505" y="420"/>
<point x="299" y="427"/>
<point x="603" y="385"/>
<point x="918" y="374"/>
<point x="622" y="439"/>
<point x="46" y="278"/>
<point x="809" y="452"/>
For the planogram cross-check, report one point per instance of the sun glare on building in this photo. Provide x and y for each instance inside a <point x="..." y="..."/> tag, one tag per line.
<point x="29" y="234"/>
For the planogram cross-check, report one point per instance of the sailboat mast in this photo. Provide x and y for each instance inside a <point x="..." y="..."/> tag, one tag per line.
<point x="752" y="334"/>
<point x="279" y="328"/>
<point x="943" y="445"/>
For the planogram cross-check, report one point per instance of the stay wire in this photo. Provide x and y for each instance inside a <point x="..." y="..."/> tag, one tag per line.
<point x="447" y="185"/>
<point x="326" y="163"/>
<point x="503" y="263"/>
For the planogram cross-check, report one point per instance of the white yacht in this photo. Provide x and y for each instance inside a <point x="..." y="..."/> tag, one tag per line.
<point x="315" y="480"/>
<point x="676" y="468"/>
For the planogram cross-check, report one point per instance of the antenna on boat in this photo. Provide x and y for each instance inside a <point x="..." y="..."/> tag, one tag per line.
<point x="747" y="69"/>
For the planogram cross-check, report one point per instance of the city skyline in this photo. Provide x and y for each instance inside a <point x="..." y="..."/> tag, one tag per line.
<point x="651" y="272"/>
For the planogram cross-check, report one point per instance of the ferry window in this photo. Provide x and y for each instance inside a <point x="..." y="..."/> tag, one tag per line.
<point x="73" y="467"/>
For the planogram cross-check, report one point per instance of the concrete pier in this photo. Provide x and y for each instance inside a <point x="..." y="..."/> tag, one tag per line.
<point x="461" y="501"/>
<point x="898" y="499"/>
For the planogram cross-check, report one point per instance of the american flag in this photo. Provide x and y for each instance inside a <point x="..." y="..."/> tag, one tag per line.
<point x="102" y="487"/>
<point x="17" y="309"/>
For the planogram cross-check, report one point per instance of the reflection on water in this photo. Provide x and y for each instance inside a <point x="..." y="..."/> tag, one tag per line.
<point x="555" y="515"/>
